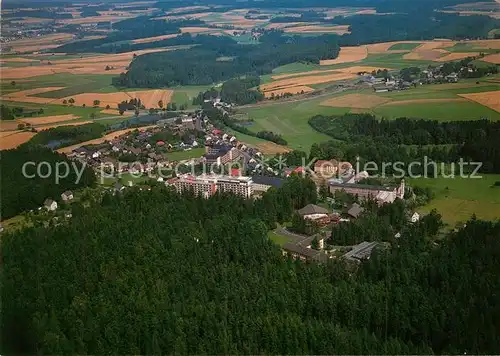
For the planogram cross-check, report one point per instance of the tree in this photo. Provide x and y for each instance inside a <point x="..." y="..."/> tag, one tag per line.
<point x="137" y="112"/>
<point x="71" y="101"/>
<point x="92" y="116"/>
<point x="65" y="102"/>
<point x="160" y="104"/>
<point x="108" y="107"/>
<point x="121" y="111"/>
<point x="97" y="102"/>
<point x="315" y="244"/>
<point x="84" y="105"/>
<point x="20" y="126"/>
<point x="13" y="83"/>
<point x="174" y="106"/>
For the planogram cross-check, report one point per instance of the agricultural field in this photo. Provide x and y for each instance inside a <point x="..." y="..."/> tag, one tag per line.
<point x="458" y="198"/>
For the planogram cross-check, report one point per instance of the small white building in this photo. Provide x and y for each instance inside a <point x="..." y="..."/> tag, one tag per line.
<point x="415" y="217"/>
<point x="67" y="195"/>
<point x="50" y="204"/>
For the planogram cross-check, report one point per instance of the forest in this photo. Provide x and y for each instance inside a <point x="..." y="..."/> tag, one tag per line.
<point x="199" y="65"/>
<point x="391" y="140"/>
<point x="20" y="193"/>
<point x="150" y="272"/>
<point x="62" y="136"/>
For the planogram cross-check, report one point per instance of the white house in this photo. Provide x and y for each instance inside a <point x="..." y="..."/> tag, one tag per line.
<point x="50" y="204"/>
<point x="67" y="195"/>
<point x="415" y="217"/>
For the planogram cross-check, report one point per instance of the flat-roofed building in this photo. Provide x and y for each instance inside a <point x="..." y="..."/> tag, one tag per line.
<point x="207" y="185"/>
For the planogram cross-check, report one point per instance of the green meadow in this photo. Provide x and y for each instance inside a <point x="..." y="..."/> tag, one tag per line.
<point x="456" y="199"/>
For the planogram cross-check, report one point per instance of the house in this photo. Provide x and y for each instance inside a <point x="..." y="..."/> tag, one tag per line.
<point x="355" y="210"/>
<point x="326" y="168"/>
<point x="299" y="252"/>
<point x="313" y="212"/>
<point x="50" y="204"/>
<point x="67" y="195"/>
<point x="361" y="251"/>
<point x="415" y="217"/>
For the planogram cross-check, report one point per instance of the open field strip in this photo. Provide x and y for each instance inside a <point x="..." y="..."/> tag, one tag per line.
<point x="107" y="137"/>
<point x="75" y="123"/>
<point x="27" y="95"/>
<point x="292" y="90"/>
<point x="12" y="139"/>
<point x="347" y="55"/>
<point x="490" y="99"/>
<point x="86" y="65"/>
<point x="339" y="29"/>
<point x="149" y="98"/>
<point x="38" y="43"/>
<point x="306" y="80"/>
<point x="492" y="58"/>
<point x="458" y="198"/>
<point x="94" y="19"/>
<point x="155" y="38"/>
<point x="350" y="70"/>
<point x="359" y="101"/>
<point x="456" y="56"/>
<point x="33" y="121"/>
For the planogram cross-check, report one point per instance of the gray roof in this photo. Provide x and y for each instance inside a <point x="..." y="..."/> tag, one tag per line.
<point x="361" y="251"/>
<point x="303" y="251"/>
<point x="265" y="180"/>
<point x="360" y="186"/>
<point x="48" y="202"/>
<point x="355" y="210"/>
<point x="312" y="209"/>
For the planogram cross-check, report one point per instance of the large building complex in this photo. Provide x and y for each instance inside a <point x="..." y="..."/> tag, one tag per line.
<point x="207" y="185"/>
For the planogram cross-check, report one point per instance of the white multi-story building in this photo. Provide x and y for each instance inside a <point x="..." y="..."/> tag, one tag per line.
<point x="207" y="185"/>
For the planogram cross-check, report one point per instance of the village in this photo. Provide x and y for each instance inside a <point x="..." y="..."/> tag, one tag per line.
<point x="139" y="160"/>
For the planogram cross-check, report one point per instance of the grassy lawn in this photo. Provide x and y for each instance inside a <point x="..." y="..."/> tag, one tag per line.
<point x="404" y="46"/>
<point x="290" y="120"/>
<point x="277" y="239"/>
<point x="182" y="155"/>
<point x="186" y="94"/>
<point x="457" y="199"/>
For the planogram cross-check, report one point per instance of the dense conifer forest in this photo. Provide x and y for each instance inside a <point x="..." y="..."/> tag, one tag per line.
<point x="407" y="140"/>
<point x="152" y="272"/>
<point x="21" y="193"/>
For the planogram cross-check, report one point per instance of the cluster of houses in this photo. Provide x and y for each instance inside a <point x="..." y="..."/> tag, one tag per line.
<point x="51" y="205"/>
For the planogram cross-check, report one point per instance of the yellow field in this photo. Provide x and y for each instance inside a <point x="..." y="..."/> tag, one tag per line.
<point x="306" y="80"/>
<point x="85" y="65"/>
<point x="149" y="98"/>
<point x="25" y="96"/>
<point x="347" y="55"/>
<point x="340" y="30"/>
<point x="271" y="148"/>
<point x="292" y="90"/>
<point x="12" y="139"/>
<point x="154" y="39"/>
<point x="33" y="121"/>
<point x="490" y="99"/>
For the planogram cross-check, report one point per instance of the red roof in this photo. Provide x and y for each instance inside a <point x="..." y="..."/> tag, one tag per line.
<point x="298" y="170"/>
<point x="160" y="143"/>
<point x="235" y="172"/>
<point x="216" y="132"/>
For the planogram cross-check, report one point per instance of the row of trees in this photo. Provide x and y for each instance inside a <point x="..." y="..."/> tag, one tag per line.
<point x="203" y="278"/>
